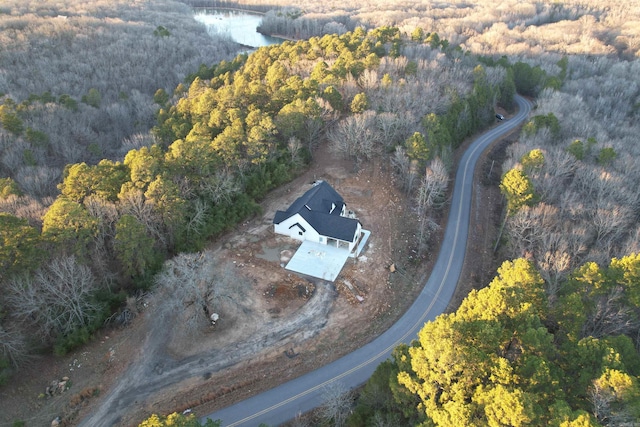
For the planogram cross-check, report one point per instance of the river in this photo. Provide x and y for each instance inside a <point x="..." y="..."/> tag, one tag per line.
<point x="240" y="26"/>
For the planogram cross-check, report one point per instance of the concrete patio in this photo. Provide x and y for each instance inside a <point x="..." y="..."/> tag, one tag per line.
<point x="323" y="261"/>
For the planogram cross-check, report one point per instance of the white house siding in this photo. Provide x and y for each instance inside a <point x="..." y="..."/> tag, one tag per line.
<point x="356" y="238"/>
<point x="354" y="242"/>
<point x="288" y="228"/>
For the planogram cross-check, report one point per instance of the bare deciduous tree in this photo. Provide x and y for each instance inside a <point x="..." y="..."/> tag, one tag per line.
<point x="132" y="202"/>
<point x="59" y="298"/>
<point x="430" y="196"/>
<point x="196" y="287"/>
<point x="601" y="401"/>
<point x="393" y="128"/>
<point x="611" y="316"/>
<point x="188" y="280"/>
<point x="355" y="137"/>
<point x="102" y="249"/>
<point x="554" y="267"/>
<point x="38" y="181"/>
<point x="337" y="403"/>
<point x="294" y="146"/>
<point x="25" y="207"/>
<point x="135" y="142"/>
<point x="434" y="185"/>
<point x="221" y="187"/>
<point x="13" y="346"/>
<point x="610" y="221"/>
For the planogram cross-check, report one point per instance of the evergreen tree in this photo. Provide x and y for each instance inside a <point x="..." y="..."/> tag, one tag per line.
<point x="518" y="189"/>
<point x="20" y="246"/>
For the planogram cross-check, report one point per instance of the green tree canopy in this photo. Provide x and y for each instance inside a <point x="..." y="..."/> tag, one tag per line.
<point x="177" y="420"/>
<point x="601" y="301"/>
<point x="518" y="189"/>
<point x="20" y="249"/>
<point x="333" y="97"/>
<point x="418" y="148"/>
<point x="360" y="103"/>
<point x="492" y="362"/>
<point x="532" y="160"/>
<point x="135" y="248"/>
<point x="8" y="187"/>
<point x="436" y="131"/>
<point x="549" y="121"/>
<point x="92" y="98"/>
<point x="528" y="80"/>
<point x="507" y="91"/>
<point x="10" y="120"/>
<point x="606" y="156"/>
<point x="417" y="35"/>
<point x="69" y="225"/>
<point x="144" y="165"/>
<point x="170" y="208"/>
<point x="577" y="148"/>
<point x="292" y="119"/>
<point x="104" y="180"/>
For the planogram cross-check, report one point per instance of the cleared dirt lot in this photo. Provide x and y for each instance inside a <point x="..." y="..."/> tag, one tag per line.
<point x="289" y="325"/>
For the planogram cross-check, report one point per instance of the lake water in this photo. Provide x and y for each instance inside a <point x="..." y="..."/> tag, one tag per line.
<point x="240" y="26"/>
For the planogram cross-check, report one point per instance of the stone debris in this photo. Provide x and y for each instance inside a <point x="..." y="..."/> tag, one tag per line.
<point x="57" y="387"/>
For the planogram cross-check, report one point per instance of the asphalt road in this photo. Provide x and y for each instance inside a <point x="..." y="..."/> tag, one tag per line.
<point x="283" y="403"/>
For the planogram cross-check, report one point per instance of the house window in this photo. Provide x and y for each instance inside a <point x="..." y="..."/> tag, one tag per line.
<point x="299" y="233"/>
<point x="321" y="239"/>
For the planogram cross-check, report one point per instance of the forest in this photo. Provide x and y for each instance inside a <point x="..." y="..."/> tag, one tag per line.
<point x="77" y="86"/>
<point x="162" y="138"/>
<point x="222" y="138"/>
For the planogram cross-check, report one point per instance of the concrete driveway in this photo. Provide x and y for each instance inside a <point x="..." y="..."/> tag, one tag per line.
<point x="323" y="261"/>
<point x="318" y="260"/>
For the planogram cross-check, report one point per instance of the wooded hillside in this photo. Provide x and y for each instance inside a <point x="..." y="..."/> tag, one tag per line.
<point x="577" y="217"/>
<point x="77" y="85"/>
<point x="78" y="80"/>
<point x="223" y="138"/>
<point x="160" y="138"/>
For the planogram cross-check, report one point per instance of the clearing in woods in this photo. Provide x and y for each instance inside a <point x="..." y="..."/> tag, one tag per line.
<point x="284" y="326"/>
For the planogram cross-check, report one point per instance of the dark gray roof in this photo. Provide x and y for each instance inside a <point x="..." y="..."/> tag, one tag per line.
<point x="315" y="207"/>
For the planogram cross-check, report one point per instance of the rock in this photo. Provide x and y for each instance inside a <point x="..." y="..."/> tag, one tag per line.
<point x="65" y="378"/>
<point x="55" y="422"/>
<point x="392" y="268"/>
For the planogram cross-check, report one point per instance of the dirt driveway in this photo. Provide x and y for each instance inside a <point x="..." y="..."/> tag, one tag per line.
<point x="290" y="325"/>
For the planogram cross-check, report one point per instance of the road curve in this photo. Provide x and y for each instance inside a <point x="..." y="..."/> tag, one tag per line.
<point x="283" y="403"/>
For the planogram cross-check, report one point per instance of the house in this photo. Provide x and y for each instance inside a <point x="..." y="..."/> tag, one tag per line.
<point x="320" y="215"/>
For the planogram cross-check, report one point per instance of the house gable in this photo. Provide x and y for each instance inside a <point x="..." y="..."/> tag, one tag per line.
<point x="322" y="208"/>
